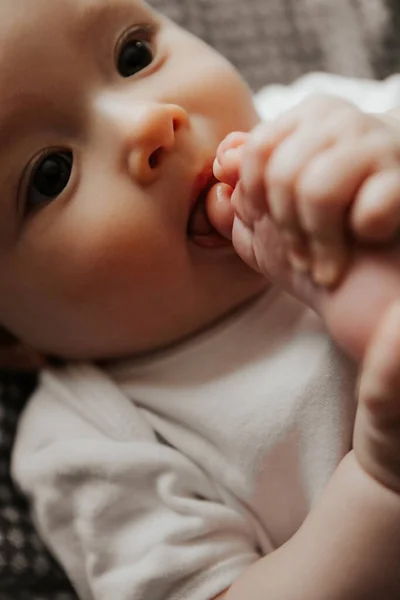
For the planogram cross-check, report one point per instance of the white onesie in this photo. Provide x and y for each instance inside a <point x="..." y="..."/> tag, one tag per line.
<point x="164" y="478"/>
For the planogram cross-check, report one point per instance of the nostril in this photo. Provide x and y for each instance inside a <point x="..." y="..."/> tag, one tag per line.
<point x="154" y="158"/>
<point x="175" y="125"/>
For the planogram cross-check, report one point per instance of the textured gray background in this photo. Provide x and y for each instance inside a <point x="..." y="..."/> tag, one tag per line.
<point x="278" y="40"/>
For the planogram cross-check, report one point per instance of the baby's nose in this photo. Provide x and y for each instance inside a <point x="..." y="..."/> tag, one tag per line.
<point x="152" y="135"/>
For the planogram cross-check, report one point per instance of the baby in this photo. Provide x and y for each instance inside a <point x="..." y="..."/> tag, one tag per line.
<point x="196" y="443"/>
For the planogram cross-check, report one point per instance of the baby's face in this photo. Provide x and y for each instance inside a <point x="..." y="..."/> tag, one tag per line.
<point x="110" y="117"/>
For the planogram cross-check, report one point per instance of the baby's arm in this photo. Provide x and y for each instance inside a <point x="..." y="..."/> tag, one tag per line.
<point x="349" y="546"/>
<point x="347" y="549"/>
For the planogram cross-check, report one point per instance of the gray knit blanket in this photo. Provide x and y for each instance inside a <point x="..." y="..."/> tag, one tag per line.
<point x="275" y="41"/>
<point x="269" y="41"/>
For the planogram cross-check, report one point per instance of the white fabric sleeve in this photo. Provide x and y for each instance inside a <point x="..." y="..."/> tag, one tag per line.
<point x="369" y="95"/>
<point x="126" y="518"/>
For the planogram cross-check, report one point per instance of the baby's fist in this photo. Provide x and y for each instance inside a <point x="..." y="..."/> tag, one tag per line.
<point x="321" y="171"/>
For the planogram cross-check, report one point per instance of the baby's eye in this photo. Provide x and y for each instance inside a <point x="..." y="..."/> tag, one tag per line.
<point x="134" y="56"/>
<point x="50" y="177"/>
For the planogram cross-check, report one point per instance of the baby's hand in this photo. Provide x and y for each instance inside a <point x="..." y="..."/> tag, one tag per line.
<point x="320" y="172"/>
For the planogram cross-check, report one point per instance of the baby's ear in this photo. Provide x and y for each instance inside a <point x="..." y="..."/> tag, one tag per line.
<point x="15" y="356"/>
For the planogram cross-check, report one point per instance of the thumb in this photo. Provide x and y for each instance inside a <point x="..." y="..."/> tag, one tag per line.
<point x="219" y="209"/>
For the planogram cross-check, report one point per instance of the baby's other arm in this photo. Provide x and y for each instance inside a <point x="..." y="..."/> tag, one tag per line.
<point x="349" y="546"/>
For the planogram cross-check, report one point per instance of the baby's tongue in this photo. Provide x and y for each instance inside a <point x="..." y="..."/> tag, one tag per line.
<point x="219" y="209"/>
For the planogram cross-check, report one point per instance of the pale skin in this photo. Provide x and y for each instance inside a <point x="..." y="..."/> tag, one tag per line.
<point x="98" y="181"/>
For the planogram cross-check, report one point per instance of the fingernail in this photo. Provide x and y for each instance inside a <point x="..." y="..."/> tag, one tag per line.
<point x="326" y="273"/>
<point x="217" y="169"/>
<point x="224" y="193"/>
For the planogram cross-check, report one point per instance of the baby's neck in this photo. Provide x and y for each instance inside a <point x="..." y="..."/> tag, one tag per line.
<point x="236" y="310"/>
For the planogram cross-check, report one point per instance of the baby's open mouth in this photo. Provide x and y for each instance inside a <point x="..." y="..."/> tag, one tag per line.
<point x="199" y="228"/>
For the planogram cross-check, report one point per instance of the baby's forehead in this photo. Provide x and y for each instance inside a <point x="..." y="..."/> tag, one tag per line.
<point x="26" y="20"/>
<point x="45" y="47"/>
<point x="39" y="38"/>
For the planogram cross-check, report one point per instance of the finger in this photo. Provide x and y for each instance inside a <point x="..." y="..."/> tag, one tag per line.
<point x="227" y="168"/>
<point x="285" y="166"/>
<point x="375" y="216"/>
<point x="325" y="192"/>
<point x="240" y="204"/>
<point x="258" y="149"/>
<point x="242" y="239"/>
<point x="227" y="163"/>
<point x="219" y="209"/>
<point x="232" y="140"/>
